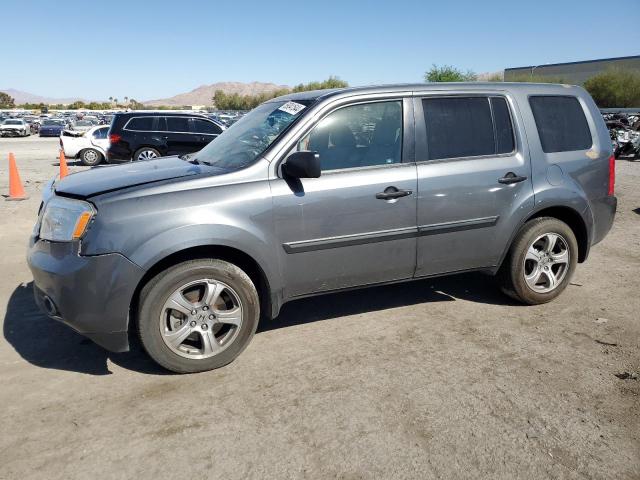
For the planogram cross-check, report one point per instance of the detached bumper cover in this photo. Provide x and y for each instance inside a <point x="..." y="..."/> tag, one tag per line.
<point x="91" y="294"/>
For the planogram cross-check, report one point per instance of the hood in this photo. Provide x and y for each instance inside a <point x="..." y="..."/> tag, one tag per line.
<point x="115" y="177"/>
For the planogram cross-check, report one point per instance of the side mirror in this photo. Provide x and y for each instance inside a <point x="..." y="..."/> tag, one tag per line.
<point x="303" y="164"/>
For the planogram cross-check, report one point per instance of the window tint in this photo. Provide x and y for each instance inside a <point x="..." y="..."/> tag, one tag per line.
<point x="100" y="133"/>
<point x="204" y="126"/>
<point x="177" y="124"/>
<point x="357" y="136"/>
<point x="140" y="123"/>
<point x="561" y="123"/>
<point x="161" y="125"/>
<point x="458" y="127"/>
<point x="502" y="122"/>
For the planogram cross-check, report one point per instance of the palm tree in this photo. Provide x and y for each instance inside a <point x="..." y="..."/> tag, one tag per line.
<point x="126" y="100"/>
<point x="115" y="100"/>
<point x="111" y="99"/>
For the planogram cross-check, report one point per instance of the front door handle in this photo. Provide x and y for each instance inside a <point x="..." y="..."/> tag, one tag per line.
<point x="391" y="193"/>
<point x="511" y="177"/>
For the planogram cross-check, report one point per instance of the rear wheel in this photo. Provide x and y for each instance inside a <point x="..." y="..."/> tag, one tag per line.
<point x="90" y="157"/>
<point x="146" y="153"/>
<point x="540" y="262"/>
<point x="198" y="315"/>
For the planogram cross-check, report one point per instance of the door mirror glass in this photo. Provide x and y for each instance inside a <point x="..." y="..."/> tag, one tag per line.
<point x="303" y="164"/>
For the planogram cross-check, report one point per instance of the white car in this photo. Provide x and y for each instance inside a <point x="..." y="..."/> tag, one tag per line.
<point x="14" y="127"/>
<point x="90" y="146"/>
<point x="82" y="125"/>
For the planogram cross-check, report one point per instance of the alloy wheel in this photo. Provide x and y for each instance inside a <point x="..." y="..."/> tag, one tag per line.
<point x="147" y="155"/>
<point x="201" y="319"/>
<point x="546" y="262"/>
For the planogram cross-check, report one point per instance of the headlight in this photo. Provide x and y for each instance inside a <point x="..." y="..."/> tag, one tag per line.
<point x="65" y="219"/>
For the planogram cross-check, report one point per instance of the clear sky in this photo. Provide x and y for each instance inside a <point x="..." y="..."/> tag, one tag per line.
<point x="151" y="49"/>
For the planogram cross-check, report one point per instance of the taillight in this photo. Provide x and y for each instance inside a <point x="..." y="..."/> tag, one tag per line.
<point x="612" y="175"/>
<point x="114" y="138"/>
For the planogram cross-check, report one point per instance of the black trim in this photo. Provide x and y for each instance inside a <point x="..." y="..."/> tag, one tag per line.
<point x="386" y="235"/>
<point x="447" y="227"/>
<point x="349" y="240"/>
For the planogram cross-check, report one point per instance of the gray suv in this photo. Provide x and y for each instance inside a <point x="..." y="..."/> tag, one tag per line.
<point x="321" y="191"/>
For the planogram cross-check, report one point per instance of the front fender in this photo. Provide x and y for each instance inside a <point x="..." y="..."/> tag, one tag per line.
<point x="252" y="243"/>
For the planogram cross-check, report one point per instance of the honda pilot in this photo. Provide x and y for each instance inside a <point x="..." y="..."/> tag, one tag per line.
<point x="321" y="191"/>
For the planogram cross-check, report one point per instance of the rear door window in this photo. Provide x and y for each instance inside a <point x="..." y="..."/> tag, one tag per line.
<point x="204" y="126"/>
<point x="177" y="124"/>
<point x="140" y="124"/>
<point x="100" y="133"/>
<point x="561" y="123"/>
<point x="458" y="127"/>
<point x="504" y="129"/>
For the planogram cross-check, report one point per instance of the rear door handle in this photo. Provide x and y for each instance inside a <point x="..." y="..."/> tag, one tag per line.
<point x="391" y="193"/>
<point x="511" y="177"/>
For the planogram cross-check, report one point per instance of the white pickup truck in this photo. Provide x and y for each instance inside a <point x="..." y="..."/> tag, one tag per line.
<point x="90" y="146"/>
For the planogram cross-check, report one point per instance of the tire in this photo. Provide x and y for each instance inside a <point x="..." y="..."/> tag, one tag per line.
<point x="145" y="153"/>
<point x="526" y="273"/>
<point x="183" y="341"/>
<point x="90" y="157"/>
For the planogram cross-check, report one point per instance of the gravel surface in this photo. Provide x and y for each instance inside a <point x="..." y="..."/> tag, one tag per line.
<point x="441" y="378"/>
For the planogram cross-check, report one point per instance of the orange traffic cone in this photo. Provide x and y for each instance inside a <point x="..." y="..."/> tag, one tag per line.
<point x="64" y="170"/>
<point x="16" y="190"/>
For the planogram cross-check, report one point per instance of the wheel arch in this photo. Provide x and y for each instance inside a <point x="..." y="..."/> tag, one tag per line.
<point x="569" y="215"/>
<point x="221" y="252"/>
<point x="574" y="220"/>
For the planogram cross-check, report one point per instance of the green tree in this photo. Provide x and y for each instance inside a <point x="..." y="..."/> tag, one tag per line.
<point x="135" y="105"/>
<point x="447" y="73"/>
<point x="78" y="105"/>
<point x="6" y="100"/>
<point x="615" y="88"/>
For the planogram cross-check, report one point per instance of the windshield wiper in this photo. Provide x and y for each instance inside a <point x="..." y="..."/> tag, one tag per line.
<point x="187" y="158"/>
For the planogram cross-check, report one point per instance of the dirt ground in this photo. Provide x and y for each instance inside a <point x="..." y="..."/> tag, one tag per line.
<point x="441" y="378"/>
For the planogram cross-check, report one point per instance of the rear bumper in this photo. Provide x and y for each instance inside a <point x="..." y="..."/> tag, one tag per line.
<point x="604" y="213"/>
<point x="118" y="153"/>
<point x="90" y="294"/>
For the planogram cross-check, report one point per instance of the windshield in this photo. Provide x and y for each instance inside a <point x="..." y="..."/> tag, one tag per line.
<point x="83" y="123"/>
<point x="51" y="123"/>
<point x="247" y="139"/>
<point x="13" y="122"/>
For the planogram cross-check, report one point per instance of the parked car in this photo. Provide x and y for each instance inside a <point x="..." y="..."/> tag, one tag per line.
<point x="90" y="146"/>
<point x="82" y="125"/>
<point x="51" y="128"/>
<point x="322" y="191"/>
<point x="143" y="136"/>
<point x="15" y="127"/>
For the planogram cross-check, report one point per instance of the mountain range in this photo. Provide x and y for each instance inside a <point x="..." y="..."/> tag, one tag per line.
<point x="204" y="93"/>
<point x="198" y="96"/>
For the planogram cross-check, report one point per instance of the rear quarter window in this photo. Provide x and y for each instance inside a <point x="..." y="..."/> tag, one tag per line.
<point x="561" y="123"/>
<point x="140" y="124"/>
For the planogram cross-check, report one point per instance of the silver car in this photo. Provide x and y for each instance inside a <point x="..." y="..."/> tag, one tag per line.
<point x="321" y="191"/>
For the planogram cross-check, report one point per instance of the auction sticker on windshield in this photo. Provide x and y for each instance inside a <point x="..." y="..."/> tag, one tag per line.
<point x="292" y="108"/>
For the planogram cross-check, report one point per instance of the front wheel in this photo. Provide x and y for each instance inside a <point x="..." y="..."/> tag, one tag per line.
<point x="198" y="315"/>
<point x="541" y="261"/>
